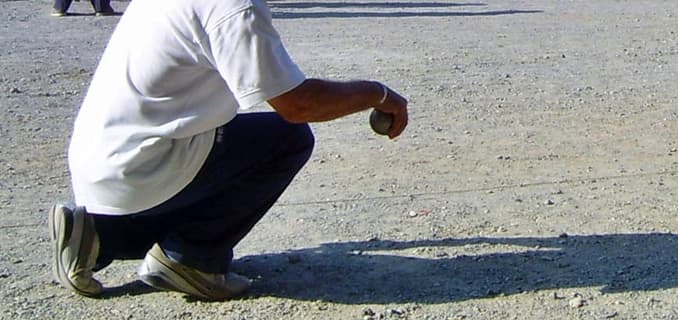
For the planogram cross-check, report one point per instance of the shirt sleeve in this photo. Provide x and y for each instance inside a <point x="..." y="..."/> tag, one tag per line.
<point x="249" y="55"/>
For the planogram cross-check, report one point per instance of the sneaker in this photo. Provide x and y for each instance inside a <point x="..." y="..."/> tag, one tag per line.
<point x="160" y="272"/>
<point x="105" y="13"/>
<point x="58" y="13"/>
<point x="76" y="247"/>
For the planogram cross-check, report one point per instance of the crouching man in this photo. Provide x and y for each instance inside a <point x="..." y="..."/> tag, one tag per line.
<point x="164" y="167"/>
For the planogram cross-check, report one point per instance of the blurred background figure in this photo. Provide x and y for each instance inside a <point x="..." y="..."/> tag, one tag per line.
<point x="101" y="7"/>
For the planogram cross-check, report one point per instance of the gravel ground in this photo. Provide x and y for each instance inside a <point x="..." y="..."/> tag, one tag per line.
<point x="537" y="179"/>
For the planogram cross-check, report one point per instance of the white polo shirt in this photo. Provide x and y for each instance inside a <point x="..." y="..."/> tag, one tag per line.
<point x="173" y="71"/>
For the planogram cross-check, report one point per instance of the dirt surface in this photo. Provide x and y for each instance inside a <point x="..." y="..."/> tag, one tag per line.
<point x="537" y="179"/>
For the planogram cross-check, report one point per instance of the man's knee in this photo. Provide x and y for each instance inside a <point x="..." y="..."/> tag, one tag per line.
<point x="304" y="136"/>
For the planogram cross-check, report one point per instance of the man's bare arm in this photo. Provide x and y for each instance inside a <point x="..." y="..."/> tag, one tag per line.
<point x="318" y="100"/>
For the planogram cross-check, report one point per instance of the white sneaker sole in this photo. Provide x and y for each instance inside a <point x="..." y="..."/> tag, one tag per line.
<point x="164" y="278"/>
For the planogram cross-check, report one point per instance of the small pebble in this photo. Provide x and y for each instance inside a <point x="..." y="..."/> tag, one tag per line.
<point x="577" y="302"/>
<point x="395" y="311"/>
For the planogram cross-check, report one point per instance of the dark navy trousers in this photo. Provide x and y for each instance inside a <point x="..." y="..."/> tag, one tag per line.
<point x="254" y="158"/>
<point x="98" y="5"/>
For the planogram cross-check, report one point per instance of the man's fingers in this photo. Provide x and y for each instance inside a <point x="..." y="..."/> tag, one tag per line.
<point x="399" y="124"/>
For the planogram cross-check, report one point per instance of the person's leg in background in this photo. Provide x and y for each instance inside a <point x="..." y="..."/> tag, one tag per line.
<point x="102" y="7"/>
<point x="61" y="7"/>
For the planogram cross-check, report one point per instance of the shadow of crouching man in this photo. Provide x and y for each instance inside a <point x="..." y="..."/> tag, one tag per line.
<point x="446" y="270"/>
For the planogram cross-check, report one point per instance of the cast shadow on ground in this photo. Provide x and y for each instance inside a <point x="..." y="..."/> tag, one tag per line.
<point x="347" y="10"/>
<point x="133" y="288"/>
<point x="383" y="5"/>
<point x="438" y="271"/>
<point x="447" y="270"/>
